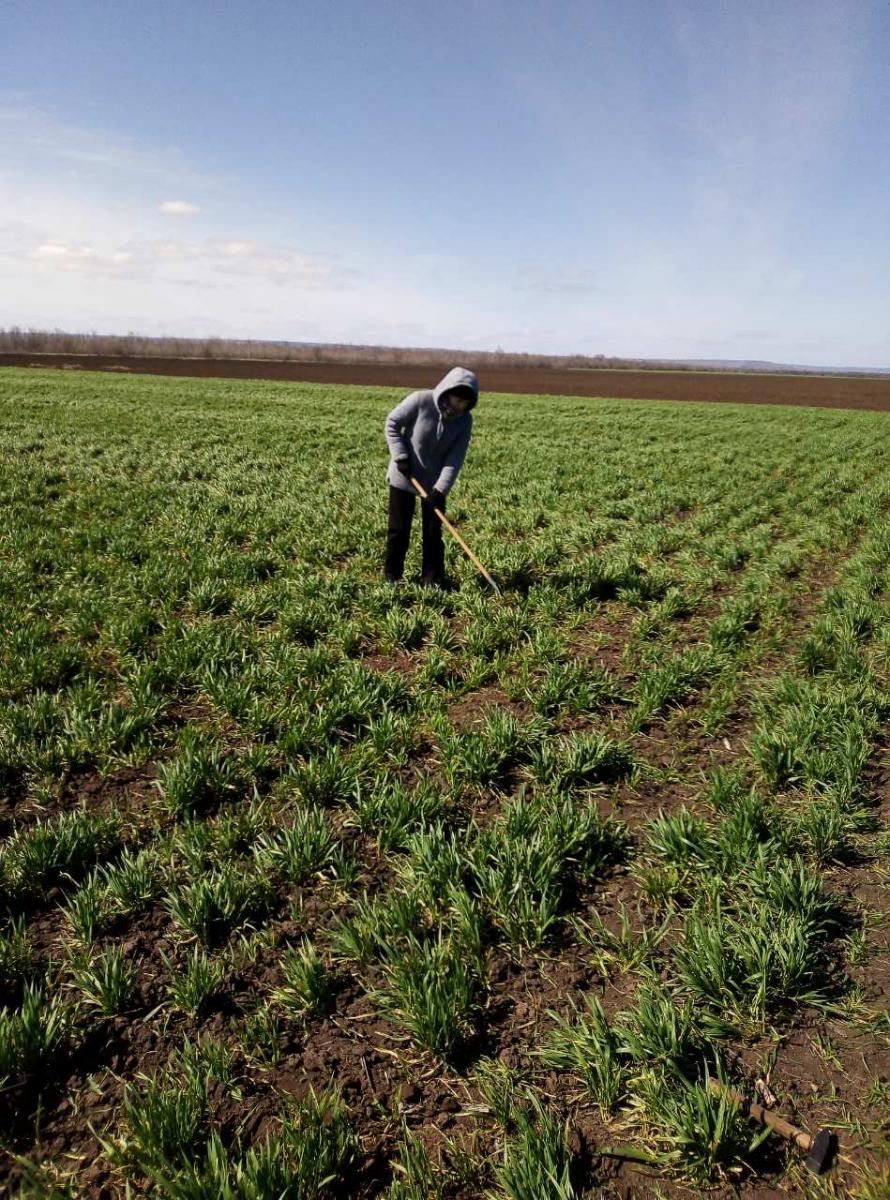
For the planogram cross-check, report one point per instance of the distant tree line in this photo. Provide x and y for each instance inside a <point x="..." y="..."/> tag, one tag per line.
<point x="131" y="345"/>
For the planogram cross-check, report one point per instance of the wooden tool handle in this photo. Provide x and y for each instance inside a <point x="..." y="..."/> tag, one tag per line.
<point x="463" y="545"/>
<point x="763" y="1115"/>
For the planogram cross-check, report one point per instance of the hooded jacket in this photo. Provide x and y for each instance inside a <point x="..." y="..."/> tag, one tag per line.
<point x="436" y="443"/>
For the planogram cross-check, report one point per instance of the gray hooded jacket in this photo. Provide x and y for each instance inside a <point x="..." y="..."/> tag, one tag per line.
<point x="436" y="443"/>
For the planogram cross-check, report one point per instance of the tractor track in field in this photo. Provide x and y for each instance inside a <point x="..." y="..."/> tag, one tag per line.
<point x="870" y="393"/>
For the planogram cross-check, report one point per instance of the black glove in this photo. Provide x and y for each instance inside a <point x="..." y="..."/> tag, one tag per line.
<point x="435" y="499"/>
<point x="404" y="465"/>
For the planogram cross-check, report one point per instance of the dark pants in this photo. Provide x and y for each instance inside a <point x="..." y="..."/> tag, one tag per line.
<point x="401" y="511"/>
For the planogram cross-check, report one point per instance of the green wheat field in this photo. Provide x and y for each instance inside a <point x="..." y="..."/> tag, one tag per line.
<point x="313" y="887"/>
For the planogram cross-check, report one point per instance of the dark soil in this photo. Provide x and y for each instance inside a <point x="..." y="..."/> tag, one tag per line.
<point x="818" y="391"/>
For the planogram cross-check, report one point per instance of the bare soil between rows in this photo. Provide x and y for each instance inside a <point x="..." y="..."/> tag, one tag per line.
<point x="870" y="393"/>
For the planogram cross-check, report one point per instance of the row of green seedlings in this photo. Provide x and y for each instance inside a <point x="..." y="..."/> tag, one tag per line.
<point x="728" y="528"/>
<point x="522" y="872"/>
<point x="72" y="844"/>
<point x="321" y="700"/>
<point x="226" y="890"/>
<point x="425" y="941"/>
<point x="299" y="699"/>
<point x="729" y="960"/>
<point x="489" y="754"/>
<point x="57" y="1005"/>
<point x="385" y="808"/>
<point x="221" y="892"/>
<point x="318" y="698"/>
<point x="308" y="699"/>
<point x="752" y="919"/>
<point x="62" y="709"/>
<point x="83" y="724"/>
<point x="756" y="920"/>
<point x="203" y="773"/>
<point x="351" y="622"/>
<point x="165" y="1133"/>
<point x="762" y="600"/>
<point x="557" y="689"/>
<point x="642" y="501"/>
<point x="534" y="1161"/>
<point x="36" y="1020"/>
<point x="749" y="622"/>
<point x="744" y="943"/>
<point x="820" y="723"/>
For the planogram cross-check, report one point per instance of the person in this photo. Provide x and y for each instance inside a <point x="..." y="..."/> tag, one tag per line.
<point x="428" y="435"/>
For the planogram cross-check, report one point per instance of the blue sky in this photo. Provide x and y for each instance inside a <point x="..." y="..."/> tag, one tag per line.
<point x="686" y="179"/>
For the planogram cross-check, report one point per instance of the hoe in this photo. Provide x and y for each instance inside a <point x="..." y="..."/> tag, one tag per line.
<point x="819" y="1149"/>
<point x="460" y="541"/>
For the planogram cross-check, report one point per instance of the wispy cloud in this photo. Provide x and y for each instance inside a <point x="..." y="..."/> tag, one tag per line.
<point x="178" y="208"/>
<point x="213" y="260"/>
<point x="41" y="140"/>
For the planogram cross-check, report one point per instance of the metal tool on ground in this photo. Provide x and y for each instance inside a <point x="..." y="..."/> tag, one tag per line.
<point x="819" y="1149"/>
<point x="460" y="541"/>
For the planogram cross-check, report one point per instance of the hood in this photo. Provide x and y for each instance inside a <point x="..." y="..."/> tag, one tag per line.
<point x="457" y="377"/>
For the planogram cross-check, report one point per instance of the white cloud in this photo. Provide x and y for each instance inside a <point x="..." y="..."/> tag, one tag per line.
<point x="179" y="208"/>
<point x="62" y="255"/>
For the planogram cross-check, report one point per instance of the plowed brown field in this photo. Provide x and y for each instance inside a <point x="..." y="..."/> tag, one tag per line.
<point x="819" y="391"/>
